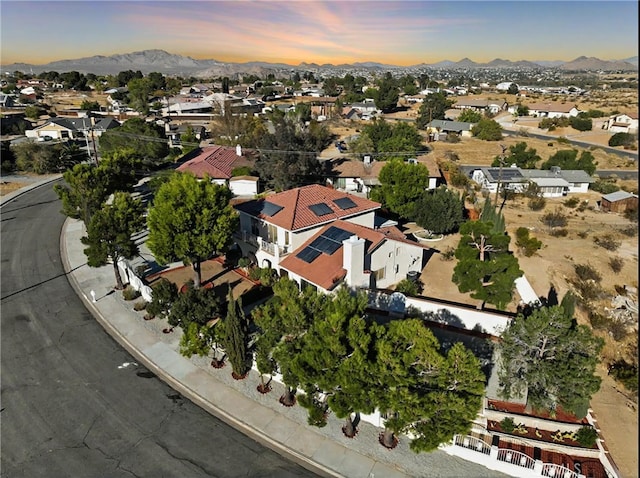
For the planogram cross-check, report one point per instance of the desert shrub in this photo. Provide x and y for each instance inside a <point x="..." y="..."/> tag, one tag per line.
<point x="507" y="424"/>
<point x="598" y="321"/>
<point x="604" y="186"/>
<point x="452" y="138"/>
<point x="587" y="436"/>
<point x="630" y="231"/>
<point x="571" y="202"/>
<point x="527" y="244"/>
<point x="617" y="329"/>
<point x="129" y="293"/>
<point x="583" y="234"/>
<point x="563" y="140"/>
<point x="607" y="242"/>
<point x="140" y="305"/>
<point x="554" y="219"/>
<point x="631" y="214"/>
<point x="448" y="254"/>
<point x="625" y="373"/>
<point x="537" y="203"/>
<point x="621" y="139"/>
<point x="587" y="272"/>
<point x="616" y="264"/>
<point x="562" y="232"/>
<point x="408" y="287"/>
<point x="581" y="124"/>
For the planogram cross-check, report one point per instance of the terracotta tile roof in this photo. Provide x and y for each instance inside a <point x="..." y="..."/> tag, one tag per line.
<point x="217" y="162"/>
<point x="296" y="214"/>
<point x="326" y="270"/>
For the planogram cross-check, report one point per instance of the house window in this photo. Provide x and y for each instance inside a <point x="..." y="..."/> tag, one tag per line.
<point x="255" y="227"/>
<point x="341" y="183"/>
<point x="272" y="233"/>
<point x="286" y="238"/>
<point x="380" y="274"/>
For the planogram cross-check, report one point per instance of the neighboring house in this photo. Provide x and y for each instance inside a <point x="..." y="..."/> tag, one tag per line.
<point x="358" y="256"/>
<point x="272" y="227"/>
<point x="6" y="101"/>
<point x="175" y="131"/>
<point x="351" y="114"/>
<point x="358" y="177"/>
<point x="623" y="123"/>
<point x="439" y="128"/>
<point x="188" y="107"/>
<point x="217" y="163"/>
<point x="553" y="183"/>
<point x="419" y="98"/>
<point x="367" y="106"/>
<point x="72" y="128"/>
<point x="553" y="110"/>
<point x="619" y="201"/>
<point x="492" y="106"/>
<point x="505" y="85"/>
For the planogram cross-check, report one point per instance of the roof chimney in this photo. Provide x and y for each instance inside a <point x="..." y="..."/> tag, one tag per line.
<point x="238" y="150"/>
<point x="353" y="261"/>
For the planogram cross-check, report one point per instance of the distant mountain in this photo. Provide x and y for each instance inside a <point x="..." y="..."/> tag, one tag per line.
<point x="159" y="60"/>
<point x="592" y="63"/>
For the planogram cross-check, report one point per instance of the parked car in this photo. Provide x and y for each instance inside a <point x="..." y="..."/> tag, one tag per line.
<point x="45" y="138"/>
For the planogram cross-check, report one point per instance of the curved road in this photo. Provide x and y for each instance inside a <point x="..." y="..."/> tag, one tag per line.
<point x="73" y="402"/>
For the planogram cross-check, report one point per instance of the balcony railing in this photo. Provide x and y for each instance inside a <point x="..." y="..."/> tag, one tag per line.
<point x="472" y="443"/>
<point x="516" y="458"/>
<point x="558" y="471"/>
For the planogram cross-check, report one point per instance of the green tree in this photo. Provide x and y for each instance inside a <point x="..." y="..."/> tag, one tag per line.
<point x="401" y="184"/>
<point x="188" y="140"/>
<point x="551" y="360"/>
<point x="235" y="339"/>
<point x="164" y="294"/>
<point x="87" y="187"/>
<point x="33" y="112"/>
<point x="622" y="139"/>
<point x="520" y="156"/>
<point x="109" y="233"/>
<point x="387" y="97"/>
<point x="433" y="107"/>
<point x="485" y="266"/>
<point x="513" y="89"/>
<point x="581" y="123"/>
<point x="157" y="81"/>
<point x="90" y="105"/>
<point x="200" y="306"/>
<point x="487" y="130"/>
<point x="567" y="159"/>
<point x="37" y="157"/>
<point x="469" y="115"/>
<point x="526" y="243"/>
<point x="404" y="138"/>
<point x="145" y="139"/>
<point x="190" y="220"/>
<point x="523" y="110"/>
<point x="440" y="211"/>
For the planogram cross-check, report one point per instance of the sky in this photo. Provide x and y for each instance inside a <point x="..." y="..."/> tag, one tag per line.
<point x="334" y="31"/>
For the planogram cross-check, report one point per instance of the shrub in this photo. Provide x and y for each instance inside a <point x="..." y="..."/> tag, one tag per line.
<point x="408" y="287"/>
<point x="617" y="329"/>
<point x="616" y="264"/>
<point x="583" y="234"/>
<point x="598" y="321"/>
<point x="625" y="373"/>
<point x="587" y="436"/>
<point x="140" y="305"/>
<point x="630" y="231"/>
<point x="528" y="245"/>
<point x="537" y="203"/>
<point x="581" y="124"/>
<point x="554" y="219"/>
<point x="621" y="139"/>
<point x="448" y="254"/>
<point x="563" y="140"/>
<point x="587" y="272"/>
<point x="507" y="424"/>
<point x="560" y="232"/>
<point x="129" y="293"/>
<point x="607" y="242"/>
<point x="604" y="186"/>
<point x="571" y="202"/>
<point x="631" y="214"/>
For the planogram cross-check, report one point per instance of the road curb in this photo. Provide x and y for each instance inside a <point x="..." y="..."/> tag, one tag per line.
<point x="15" y="194"/>
<point x="187" y="392"/>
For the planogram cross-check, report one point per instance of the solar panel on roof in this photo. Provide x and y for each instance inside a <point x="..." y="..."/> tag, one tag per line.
<point x="270" y="209"/>
<point x="326" y="245"/>
<point x="320" y="209"/>
<point x="507" y="173"/>
<point x="344" y="203"/>
<point x="308" y="254"/>
<point x="336" y="234"/>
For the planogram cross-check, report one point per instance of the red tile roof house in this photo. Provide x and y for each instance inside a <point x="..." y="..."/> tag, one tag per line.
<point x="321" y="237"/>
<point x="218" y="163"/>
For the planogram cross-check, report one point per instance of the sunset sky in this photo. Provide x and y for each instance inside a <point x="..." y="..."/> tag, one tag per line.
<point x="346" y="31"/>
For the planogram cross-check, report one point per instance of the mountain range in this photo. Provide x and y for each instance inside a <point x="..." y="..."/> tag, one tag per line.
<point x="170" y="64"/>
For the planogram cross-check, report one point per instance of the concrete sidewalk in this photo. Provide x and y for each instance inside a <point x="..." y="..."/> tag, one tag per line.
<point x="275" y="430"/>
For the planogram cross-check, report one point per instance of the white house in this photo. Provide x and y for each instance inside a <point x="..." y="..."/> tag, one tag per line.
<point x="553" y="110"/>
<point x="358" y="256"/>
<point x="505" y="85"/>
<point x="553" y="183"/>
<point x="275" y="226"/>
<point x="623" y="123"/>
<point x="492" y="106"/>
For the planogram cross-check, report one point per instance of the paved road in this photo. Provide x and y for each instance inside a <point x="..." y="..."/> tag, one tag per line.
<point x="73" y="402"/>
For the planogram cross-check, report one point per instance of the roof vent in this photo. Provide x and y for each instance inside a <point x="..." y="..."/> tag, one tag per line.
<point x="555" y="170"/>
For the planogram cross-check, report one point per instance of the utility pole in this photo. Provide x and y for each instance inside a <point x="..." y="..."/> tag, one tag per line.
<point x="95" y="152"/>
